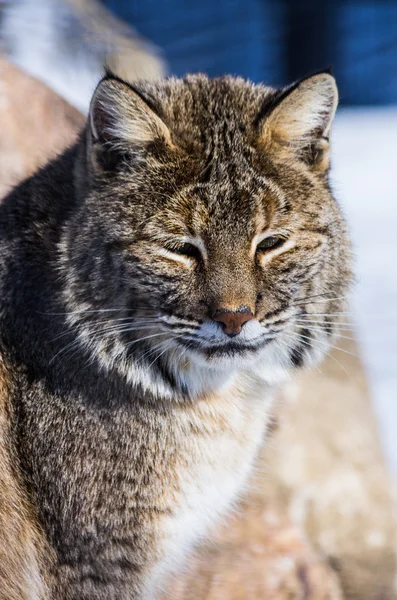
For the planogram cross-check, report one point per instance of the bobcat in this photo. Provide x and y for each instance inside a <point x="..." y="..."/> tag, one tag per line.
<point x="158" y="281"/>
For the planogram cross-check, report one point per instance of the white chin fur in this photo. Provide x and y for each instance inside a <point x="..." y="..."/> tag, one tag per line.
<point x="271" y="363"/>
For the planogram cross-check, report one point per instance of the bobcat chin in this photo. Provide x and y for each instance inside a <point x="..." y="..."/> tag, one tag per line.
<point x="157" y="281"/>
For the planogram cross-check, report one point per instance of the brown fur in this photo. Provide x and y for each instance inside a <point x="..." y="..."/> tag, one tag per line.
<point x="23" y="551"/>
<point x="139" y="236"/>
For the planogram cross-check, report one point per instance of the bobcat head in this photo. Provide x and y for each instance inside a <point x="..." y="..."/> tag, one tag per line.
<point x="207" y="238"/>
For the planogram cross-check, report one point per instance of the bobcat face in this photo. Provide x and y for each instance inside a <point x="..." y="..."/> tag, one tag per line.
<point x="207" y="233"/>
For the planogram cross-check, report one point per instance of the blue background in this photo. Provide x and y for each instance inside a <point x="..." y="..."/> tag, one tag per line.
<point x="276" y="42"/>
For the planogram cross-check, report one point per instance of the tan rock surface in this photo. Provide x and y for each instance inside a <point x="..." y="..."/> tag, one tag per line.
<point x="35" y="124"/>
<point x="66" y="43"/>
<point x="327" y="469"/>
<point x="321" y="506"/>
<point x="260" y="555"/>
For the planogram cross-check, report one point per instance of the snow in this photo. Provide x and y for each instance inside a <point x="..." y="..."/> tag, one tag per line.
<point x="365" y="182"/>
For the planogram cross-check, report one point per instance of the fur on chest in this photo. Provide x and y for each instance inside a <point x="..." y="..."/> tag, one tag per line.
<point x="226" y="432"/>
<point x="141" y="489"/>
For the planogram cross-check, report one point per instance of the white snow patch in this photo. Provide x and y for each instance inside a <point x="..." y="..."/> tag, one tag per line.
<point x="365" y="182"/>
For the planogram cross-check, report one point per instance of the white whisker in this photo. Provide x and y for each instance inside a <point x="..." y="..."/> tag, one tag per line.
<point x="306" y="343"/>
<point x="153" y="349"/>
<point x="341" y="323"/>
<point x="92" y="335"/>
<point x="323" y="330"/>
<point x="79" y="312"/>
<point x="335" y="314"/>
<point x="323" y="326"/>
<point x="310" y="301"/>
<point x="146" y="338"/>
<point x="324" y="344"/>
<point x="161" y="353"/>
<point x="115" y="328"/>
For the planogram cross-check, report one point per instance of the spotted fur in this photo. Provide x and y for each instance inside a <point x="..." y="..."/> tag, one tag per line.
<point x="136" y="415"/>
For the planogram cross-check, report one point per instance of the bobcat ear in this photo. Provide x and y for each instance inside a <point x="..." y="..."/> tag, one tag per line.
<point x="302" y="118"/>
<point x="120" y="120"/>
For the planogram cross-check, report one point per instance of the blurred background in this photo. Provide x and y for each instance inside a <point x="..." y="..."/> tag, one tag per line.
<point x="277" y="41"/>
<point x="64" y="43"/>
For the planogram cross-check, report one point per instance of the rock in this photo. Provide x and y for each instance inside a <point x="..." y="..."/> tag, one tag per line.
<point x="69" y="45"/>
<point x="326" y="468"/>
<point x="260" y="555"/>
<point x="35" y="125"/>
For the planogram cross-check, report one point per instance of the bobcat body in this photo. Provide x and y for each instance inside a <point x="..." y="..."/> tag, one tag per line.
<point x="158" y="280"/>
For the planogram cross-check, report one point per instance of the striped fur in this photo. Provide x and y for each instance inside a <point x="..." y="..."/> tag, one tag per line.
<point x="24" y="557"/>
<point x="134" y="418"/>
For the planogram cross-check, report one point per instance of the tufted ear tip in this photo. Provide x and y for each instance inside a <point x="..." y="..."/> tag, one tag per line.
<point x="301" y="117"/>
<point x="305" y="110"/>
<point x="119" y="112"/>
<point x="121" y="122"/>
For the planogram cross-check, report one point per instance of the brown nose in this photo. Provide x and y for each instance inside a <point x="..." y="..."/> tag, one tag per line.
<point x="232" y="320"/>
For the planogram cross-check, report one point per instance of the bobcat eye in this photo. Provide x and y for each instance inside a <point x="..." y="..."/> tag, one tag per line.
<point x="270" y="243"/>
<point x="185" y="249"/>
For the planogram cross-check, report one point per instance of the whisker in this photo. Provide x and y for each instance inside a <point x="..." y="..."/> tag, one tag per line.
<point x="339" y="324"/>
<point x="78" y="312"/>
<point x="146" y="338"/>
<point x="100" y="310"/>
<point x="354" y="324"/>
<point x="323" y="330"/>
<point x="341" y="321"/>
<point x="310" y="301"/>
<point x="67" y="348"/>
<point x="331" y="356"/>
<point x="291" y="337"/>
<point x="335" y="314"/>
<point x="356" y="314"/>
<point x="161" y="354"/>
<point x="117" y="329"/>
<point x="301" y="336"/>
<point x="340" y="365"/>
<point x="151" y="350"/>
<point x="123" y="328"/>
<point x="120" y="327"/>
<point x="94" y="334"/>
<point x="131" y="320"/>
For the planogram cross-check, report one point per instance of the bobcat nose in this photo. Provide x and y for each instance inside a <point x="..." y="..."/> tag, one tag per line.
<point x="232" y="320"/>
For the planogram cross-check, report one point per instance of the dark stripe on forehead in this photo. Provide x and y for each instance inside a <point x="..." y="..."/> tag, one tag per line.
<point x="276" y="191"/>
<point x="323" y="230"/>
